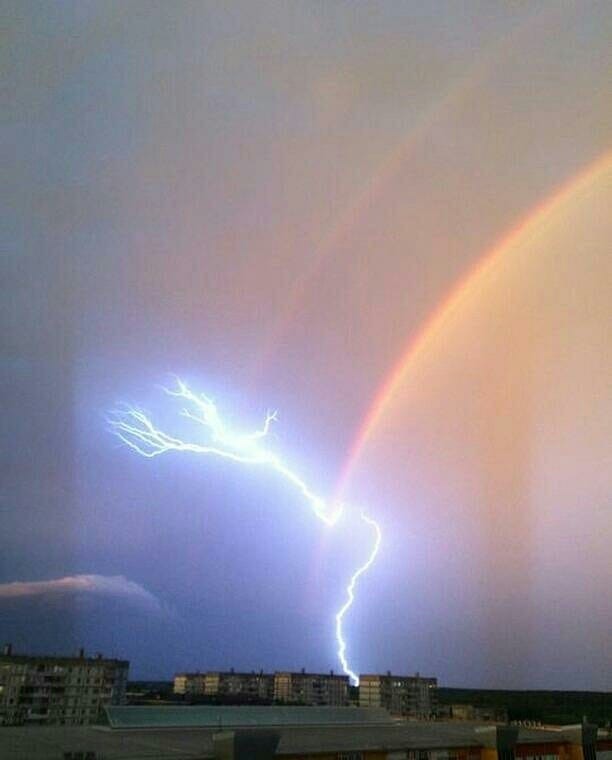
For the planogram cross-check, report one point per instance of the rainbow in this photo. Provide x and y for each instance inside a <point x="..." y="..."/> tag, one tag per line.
<point x="465" y="289"/>
<point x="457" y="93"/>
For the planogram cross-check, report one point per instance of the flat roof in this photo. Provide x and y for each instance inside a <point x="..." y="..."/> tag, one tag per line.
<point x="9" y="659"/>
<point x="49" y="742"/>
<point x="260" y="674"/>
<point x="241" y="716"/>
<point x="241" y="673"/>
<point x="413" y="677"/>
<point x="309" y="674"/>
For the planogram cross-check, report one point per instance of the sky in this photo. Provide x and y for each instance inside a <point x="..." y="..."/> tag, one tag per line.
<point x="387" y="221"/>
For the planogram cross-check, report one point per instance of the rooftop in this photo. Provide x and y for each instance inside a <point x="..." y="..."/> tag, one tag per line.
<point x="44" y="743"/>
<point x="260" y="674"/>
<point x="213" y="716"/>
<point x="59" y="660"/>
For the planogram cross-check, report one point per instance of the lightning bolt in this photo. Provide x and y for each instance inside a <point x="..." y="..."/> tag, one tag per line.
<point x="136" y="430"/>
<point x="350" y="598"/>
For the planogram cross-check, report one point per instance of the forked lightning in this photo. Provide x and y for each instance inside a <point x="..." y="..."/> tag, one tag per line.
<point x="138" y="432"/>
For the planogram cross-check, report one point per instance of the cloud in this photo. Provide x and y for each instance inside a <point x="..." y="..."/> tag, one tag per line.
<point x="110" y="585"/>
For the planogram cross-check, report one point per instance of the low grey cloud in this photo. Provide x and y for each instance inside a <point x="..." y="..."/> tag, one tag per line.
<point x="110" y="585"/>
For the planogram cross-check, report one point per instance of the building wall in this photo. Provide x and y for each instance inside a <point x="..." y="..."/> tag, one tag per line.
<point x="211" y="683"/>
<point x="189" y="683"/>
<point x="472" y="712"/>
<point x="311" y="688"/>
<point x="50" y="690"/>
<point x="284" y="687"/>
<point x="409" y="696"/>
<point x="370" y="691"/>
<point x="180" y="683"/>
<point x="256" y="686"/>
<point x="389" y="755"/>
<point x="366" y="755"/>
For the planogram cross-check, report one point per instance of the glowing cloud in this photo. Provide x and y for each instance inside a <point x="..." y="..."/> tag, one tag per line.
<point x="111" y="585"/>
<point x="138" y="432"/>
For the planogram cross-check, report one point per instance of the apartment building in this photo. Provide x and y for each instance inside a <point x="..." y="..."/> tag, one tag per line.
<point x="189" y="684"/>
<point x="311" y="688"/>
<point x="248" y="687"/>
<point x="462" y="711"/>
<point x="58" y="690"/>
<point x="283" y="687"/>
<point x="408" y="696"/>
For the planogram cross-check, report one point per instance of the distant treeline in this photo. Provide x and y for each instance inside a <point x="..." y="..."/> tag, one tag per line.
<point x="554" y="707"/>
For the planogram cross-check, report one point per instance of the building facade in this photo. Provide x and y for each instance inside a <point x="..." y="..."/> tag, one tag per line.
<point x="281" y="687"/>
<point x="189" y="684"/>
<point x="461" y="711"/>
<point x="59" y="690"/>
<point x="247" y="687"/>
<point x="408" y="696"/>
<point x="311" y="688"/>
